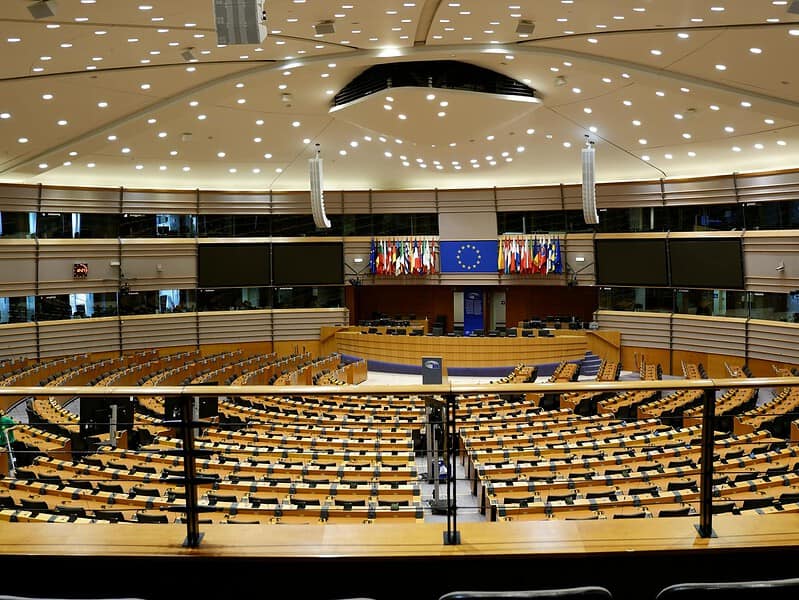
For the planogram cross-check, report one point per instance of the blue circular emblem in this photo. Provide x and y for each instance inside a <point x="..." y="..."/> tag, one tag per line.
<point x="468" y="257"/>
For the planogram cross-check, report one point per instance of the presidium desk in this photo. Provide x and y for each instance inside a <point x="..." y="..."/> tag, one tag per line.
<point x="463" y="354"/>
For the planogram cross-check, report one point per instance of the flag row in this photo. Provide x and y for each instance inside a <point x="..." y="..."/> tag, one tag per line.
<point x="398" y="257"/>
<point x="529" y="256"/>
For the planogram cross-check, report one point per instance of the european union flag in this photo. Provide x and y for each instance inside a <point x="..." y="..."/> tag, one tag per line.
<point x="479" y="256"/>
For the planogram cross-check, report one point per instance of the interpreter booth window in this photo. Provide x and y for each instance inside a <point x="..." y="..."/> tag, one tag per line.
<point x="95" y="225"/>
<point x="575" y="222"/>
<point x="775" y="307"/>
<point x="138" y="302"/>
<point x="772" y="215"/>
<point x="636" y="299"/>
<point x="177" y="301"/>
<point x="54" y="307"/>
<point x="234" y="298"/>
<point x="17" y="309"/>
<point x="309" y="297"/>
<point x="155" y="226"/>
<point x="54" y="225"/>
<point x="18" y="225"/>
<point x="234" y="225"/>
<point x="719" y="217"/>
<point x="303" y="226"/>
<point x="405" y="224"/>
<point x="357" y="225"/>
<point x="632" y="220"/>
<point x="100" y="304"/>
<point x="717" y="303"/>
<point x="529" y="222"/>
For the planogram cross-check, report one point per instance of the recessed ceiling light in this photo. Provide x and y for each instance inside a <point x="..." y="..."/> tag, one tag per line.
<point x="721" y="67"/>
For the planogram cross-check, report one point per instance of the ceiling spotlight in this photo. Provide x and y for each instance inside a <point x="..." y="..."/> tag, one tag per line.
<point x="188" y="55"/>
<point x="525" y="27"/>
<point x="324" y="27"/>
<point x="42" y="9"/>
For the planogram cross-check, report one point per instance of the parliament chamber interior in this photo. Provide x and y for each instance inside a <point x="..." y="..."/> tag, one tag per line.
<point x="505" y="296"/>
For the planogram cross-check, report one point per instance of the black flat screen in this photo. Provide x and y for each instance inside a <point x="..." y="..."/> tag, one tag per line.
<point x="631" y="262"/>
<point x="706" y="263"/>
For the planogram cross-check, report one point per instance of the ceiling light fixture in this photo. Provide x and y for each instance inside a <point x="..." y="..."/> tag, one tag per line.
<point x="188" y="55"/>
<point x="42" y="9"/>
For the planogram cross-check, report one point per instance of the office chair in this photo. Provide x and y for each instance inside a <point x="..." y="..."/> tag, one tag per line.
<point x="590" y="592"/>
<point x="777" y="589"/>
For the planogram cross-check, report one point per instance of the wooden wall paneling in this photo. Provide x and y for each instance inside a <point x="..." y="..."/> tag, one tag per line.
<point x="80" y="200"/>
<point x="768" y="187"/>
<point x="574" y="246"/>
<point x="632" y="357"/>
<point x="774" y="341"/>
<point x="305" y="324"/>
<point x="158" y="331"/>
<point x="528" y="198"/>
<point x="393" y="300"/>
<point x="291" y="203"/>
<point x="719" y="335"/>
<point x="160" y="202"/>
<point x="17" y="267"/>
<point x="629" y="194"/>
<point x="236" y="326"/>
<point x="573" y="197"/>
<point x="60" y="338"/>
<point x="18" y="340"/>
<point x="357" y="247"/>
<point x="356" y="202"/>
<point x="404" y="201"/>
<point x="465" y="201"/>
<point x="19" y="198"/>
<point x="707" y="190"/>
<point x="159" y="264"/>
<point x="640" y="329"/>
<point x="764" y="253"/>
<point x="526" y="302"/>
<point x="57" y="257"/>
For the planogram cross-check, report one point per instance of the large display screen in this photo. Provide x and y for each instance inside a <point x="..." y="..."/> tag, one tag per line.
<point x="308" y="263"/>
<point x="631" y="262"/>
<point x="712" y="263"/>
<point x="233" y="265"/>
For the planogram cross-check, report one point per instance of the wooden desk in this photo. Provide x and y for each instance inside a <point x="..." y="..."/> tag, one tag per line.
<point x="462" y="351"/>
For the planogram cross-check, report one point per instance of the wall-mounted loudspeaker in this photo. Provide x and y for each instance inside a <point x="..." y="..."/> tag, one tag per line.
<point x="317" y="192"/>
<point x="589" y="185"/>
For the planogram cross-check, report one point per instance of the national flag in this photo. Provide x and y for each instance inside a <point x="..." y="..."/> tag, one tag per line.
<point x="372" y="257"/>
<point x="501" y="256"/>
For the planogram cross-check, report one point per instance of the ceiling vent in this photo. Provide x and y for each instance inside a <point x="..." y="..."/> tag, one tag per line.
<point x="525" y="27"/>
<point x="42" y="9"/>
<point x="324" y="28"/>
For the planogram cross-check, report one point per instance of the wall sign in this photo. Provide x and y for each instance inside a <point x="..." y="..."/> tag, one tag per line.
<point x="80" y="271"/>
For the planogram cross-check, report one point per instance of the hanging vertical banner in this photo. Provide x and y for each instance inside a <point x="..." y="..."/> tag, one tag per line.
<point x="472" y="310"/>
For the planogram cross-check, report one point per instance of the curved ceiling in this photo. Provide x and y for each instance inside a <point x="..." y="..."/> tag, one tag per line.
<point x="106" y="93"/>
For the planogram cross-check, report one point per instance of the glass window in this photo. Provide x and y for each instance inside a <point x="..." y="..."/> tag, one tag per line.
<point x="150" y="226"/>
<point x="101" y="304"/>
<point x="309" y="297"/>
<point x="636" y="299"/>
<point x="405" y="224"/>
<point x="632" y="220"/>
<point x="17" y="309"/>
<point x="718" y="303"/>
<point x="138" y="303"/>
<point x="772" y="215"/>
<point x="53" y="307"/>
<point x="718" y="217"/>
<point x="17" y="224"/>
<point x="233" y="299"/>
<point x="775" y="307"/>
<point x="95" y="225"/>
<point x="575" y="221"/>
<point x="528" y="222"/>
<point x="172" y="301"/>
<point x="356" y="224"/>
<point x="303" y="225"/>
<point x="54" y="225"/>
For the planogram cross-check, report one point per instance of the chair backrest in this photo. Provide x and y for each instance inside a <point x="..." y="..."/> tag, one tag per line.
<point x="589" y="592"/>
<point x="776" y="589"/>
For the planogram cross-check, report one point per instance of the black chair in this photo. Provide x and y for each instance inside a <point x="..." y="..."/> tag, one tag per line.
<point x="774" y="589"/>
<point x="682" y="511"/>
<point x="115" y="516"/>
<point x="70" y="511"/>
<point x="151" y="518"/>
<point x="589" y="592"/>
